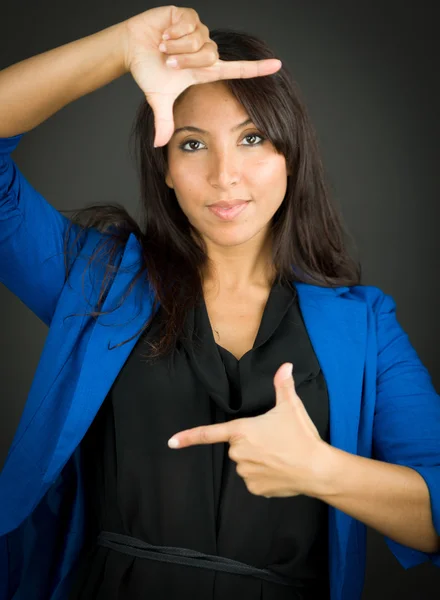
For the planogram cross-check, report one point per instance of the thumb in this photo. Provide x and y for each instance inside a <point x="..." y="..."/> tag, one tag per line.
<point x="284" y="385"/>
<point x="162" y="106"/>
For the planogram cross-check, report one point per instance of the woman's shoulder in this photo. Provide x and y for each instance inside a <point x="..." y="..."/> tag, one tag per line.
<point x="369" y="294"/>
<point x="373" y="296"/>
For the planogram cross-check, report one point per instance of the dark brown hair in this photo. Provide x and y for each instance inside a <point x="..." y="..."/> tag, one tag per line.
<point x="309" y="237"/>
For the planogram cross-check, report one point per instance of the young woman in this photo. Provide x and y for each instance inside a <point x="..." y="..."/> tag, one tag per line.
<point x="183" y="325"/>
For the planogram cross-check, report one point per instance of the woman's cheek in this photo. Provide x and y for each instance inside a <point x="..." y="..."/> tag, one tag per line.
<point x="266" y="169"/>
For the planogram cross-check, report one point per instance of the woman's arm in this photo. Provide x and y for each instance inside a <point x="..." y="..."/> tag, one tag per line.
<point x="34" y="89"/>
<point x="393" y="499"/>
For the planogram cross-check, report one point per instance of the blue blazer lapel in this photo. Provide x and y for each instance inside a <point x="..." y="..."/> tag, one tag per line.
<point x="102" y="360"/>
<point x="337" y="327"/>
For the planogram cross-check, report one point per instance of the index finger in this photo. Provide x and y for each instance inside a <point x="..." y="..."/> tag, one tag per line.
<point x="238" y="69"/>
<point x="205" y="434"/>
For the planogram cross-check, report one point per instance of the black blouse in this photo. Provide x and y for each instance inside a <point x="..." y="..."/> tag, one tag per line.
<point x="193" y="498"/>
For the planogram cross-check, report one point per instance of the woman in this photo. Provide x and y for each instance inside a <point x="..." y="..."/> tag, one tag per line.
<point x="94" y="502"/>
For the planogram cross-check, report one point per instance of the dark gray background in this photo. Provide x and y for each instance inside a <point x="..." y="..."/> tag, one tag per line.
<point x="368" y="73"/>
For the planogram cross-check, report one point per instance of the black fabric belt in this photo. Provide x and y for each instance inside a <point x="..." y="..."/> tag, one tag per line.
<point x="184" y="556"/>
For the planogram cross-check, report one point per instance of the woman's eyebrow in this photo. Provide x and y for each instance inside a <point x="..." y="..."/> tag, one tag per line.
<point x="198" y="130"/>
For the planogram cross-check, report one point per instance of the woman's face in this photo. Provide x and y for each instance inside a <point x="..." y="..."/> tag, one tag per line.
<point x="224" y="163"/>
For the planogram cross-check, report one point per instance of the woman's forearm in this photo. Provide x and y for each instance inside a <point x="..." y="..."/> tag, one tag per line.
<point x="393" y="499"/>
<point x="35" y="88"/>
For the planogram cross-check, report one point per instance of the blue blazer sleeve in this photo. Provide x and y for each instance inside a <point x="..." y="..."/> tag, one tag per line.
<point x="31" y="239"/>
<point x="406" y="429"/>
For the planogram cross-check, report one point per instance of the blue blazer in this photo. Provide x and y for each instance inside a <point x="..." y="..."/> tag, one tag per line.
<point x="382" y="401"/>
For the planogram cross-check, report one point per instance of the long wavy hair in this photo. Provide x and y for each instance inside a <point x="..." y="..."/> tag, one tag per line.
<point x="309" y="237"/>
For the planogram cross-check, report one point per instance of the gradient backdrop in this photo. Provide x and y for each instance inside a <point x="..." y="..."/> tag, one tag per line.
<point x="369" y="75"/>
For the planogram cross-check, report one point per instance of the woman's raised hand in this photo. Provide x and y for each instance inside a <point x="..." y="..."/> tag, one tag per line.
<point x="197" y="58"/>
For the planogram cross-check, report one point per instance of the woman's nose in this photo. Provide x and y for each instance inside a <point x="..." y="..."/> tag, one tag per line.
<point x="224" y="170"/>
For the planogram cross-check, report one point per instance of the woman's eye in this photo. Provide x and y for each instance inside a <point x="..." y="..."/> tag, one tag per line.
<point x="250" y="135"/>
<point x="254" y="135"/>
<point x="182" y="146"/>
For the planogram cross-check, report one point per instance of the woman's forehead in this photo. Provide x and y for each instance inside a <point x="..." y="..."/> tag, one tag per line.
<point x="202" y="105"/>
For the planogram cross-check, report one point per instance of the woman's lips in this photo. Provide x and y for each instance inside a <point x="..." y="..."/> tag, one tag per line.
<point x="227" y="214"/>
